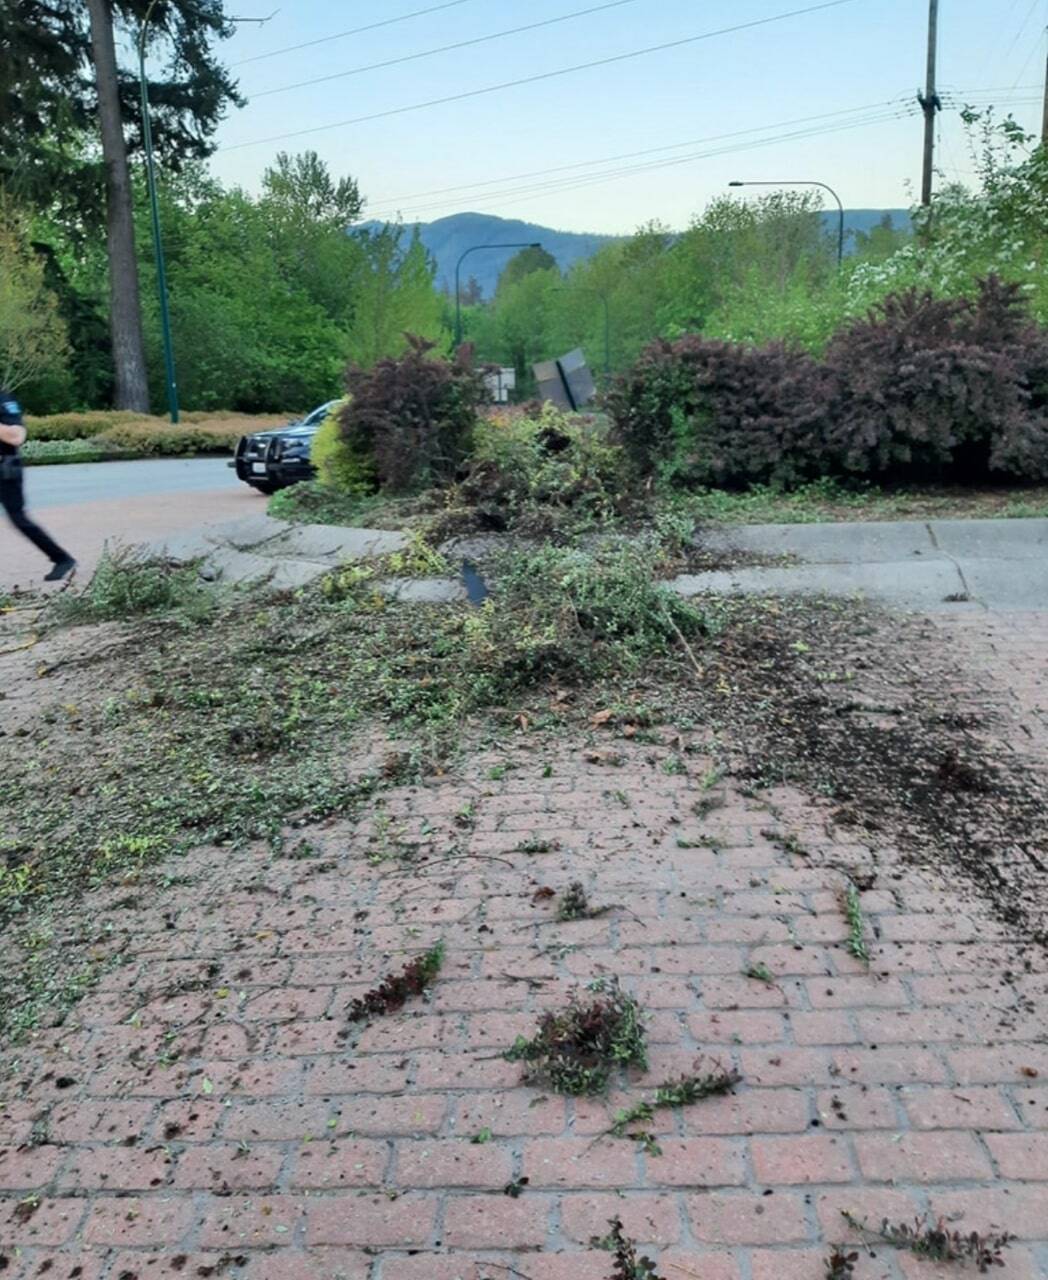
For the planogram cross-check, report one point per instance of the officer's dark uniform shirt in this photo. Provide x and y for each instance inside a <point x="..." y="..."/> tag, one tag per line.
<point x="10" y="416"/>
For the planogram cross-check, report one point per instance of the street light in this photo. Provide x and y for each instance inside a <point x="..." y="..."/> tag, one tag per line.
<point x="458" y="267"/>
<point x="154" y="206"/>
<point x="802" y="182"/>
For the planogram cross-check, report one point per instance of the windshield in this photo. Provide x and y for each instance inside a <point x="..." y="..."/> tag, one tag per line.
<point x="315" y="418"/>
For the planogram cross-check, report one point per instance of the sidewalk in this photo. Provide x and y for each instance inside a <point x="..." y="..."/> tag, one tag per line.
<point x="205" y="1114"/>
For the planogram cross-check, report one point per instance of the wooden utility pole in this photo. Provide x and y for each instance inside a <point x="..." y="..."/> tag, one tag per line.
<point x="1044" y="120"/>
<point x="930" y="103"/>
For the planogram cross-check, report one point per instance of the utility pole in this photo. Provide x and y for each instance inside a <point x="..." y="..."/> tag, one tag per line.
<point x="930" y="103"/>
<point x="1044" y="121"/>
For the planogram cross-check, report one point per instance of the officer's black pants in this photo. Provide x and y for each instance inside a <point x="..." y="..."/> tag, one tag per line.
<point x="12" y="499"/>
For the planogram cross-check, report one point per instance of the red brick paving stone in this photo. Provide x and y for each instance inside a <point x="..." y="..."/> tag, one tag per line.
<point x="808" y="1158"/>
<point x="453" y="1164"/>
<point x="891" y="1065"/>
<point x="307" y="1264"/>
<point x="370" y="1221"/>
<point x="1018" y="1265"/>
<point x="810" y="1264"/>
<point x="649" y="1219"/>
<point x="734" y="1218"/>
<point x="496" y="1222"/>
<point x="709" y="1266"/>
<point x="534" y="1266"/>
<point x="146" y="1264"/>
<point x="390" y="1117"/>
<point x="523" y="1111"/>
<point x="280" y="1121"/>
<point x="91" y="1121"/>
<point x="188" y="1121"/>
<point x="827" y="1026"/>
<point x="749" y="1111"/>
<point x="975" y="1107"/>
<point x="383" y="1073"/>
<point x="241" y="1222"/>
<point x="52" y="1222"/>
<point x="221" y="1167"/>
<point x="737" y="1028"/>
<point x="1032" y="1106"/>
<point x="869" y="1204"/>
<point x="697" y="1162"/>
<point x="1020" y="1155"/>
<point x="939" y="1156"/>
<point x="855" y="1107"/>
<point x="116" y="1169"/>
<point x="1000" y="1064"/>
<point x="29" y="1168"/>
<point x="1019" y="1208"/>
<point x="74" y="1265"/>
<point x="579" y="1162"/>
<point x="138" y="1221"/>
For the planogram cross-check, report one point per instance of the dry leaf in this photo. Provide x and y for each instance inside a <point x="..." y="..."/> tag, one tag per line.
<point x="541" y="894"/>
<point x="602" y="717"/>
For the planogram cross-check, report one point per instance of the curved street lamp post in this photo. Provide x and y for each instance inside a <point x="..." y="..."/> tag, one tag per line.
<point x="458" y="267"/>
<point x="807" y="182"/>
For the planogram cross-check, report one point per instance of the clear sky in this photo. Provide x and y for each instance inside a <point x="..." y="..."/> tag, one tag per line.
<point x="863" y="59"/>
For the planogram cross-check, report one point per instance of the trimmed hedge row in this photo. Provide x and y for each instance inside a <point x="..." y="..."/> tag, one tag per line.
<point x="921" y="388"/>
<point x="129" y="434"/>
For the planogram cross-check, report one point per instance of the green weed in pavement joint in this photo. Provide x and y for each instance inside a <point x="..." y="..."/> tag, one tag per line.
<point x="761" y="973"/>
<point x="935" y="1241"/>
<point x="395" y="989"/>
<point x="856" y="943"/>
<point x="683" y="1092"/>
<point x="841" y="1265"/>
<point x="629" y="1265"/>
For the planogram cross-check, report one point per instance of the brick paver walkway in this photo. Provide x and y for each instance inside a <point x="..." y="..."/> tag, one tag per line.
<point x="205" y="1113"/>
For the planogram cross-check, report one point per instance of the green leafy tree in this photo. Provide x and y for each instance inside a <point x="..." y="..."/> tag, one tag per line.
<point x="33" y="343"/>
<point x="70" y="114"/>
<point x="394" y="295"/>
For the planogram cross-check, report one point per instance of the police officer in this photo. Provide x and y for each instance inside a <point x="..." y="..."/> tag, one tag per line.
<point x="12" y="497"/>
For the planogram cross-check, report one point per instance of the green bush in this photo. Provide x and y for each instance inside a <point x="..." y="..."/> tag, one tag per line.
<point x="41" y="453"/>
<point x="339" y="467"/>
<point x="79" y="426"/>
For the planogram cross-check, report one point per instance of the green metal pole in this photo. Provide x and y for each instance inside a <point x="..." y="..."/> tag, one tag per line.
<point x="158" y="244"/>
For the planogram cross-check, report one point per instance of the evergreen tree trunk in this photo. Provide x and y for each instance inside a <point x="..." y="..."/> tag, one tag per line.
<point x="125" y="311"/>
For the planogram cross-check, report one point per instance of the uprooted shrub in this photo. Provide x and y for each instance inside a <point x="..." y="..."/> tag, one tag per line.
<point x="568" y="614"/>
<point x="413" y="415"/>
<point x="575" y="1051"/>
<point x="543" y="472"/>
<point x="932" y="387"/>
<point x="700" y="412"/>
<point x="128" y="583"/>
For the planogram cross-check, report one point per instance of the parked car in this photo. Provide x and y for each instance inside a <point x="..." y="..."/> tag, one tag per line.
<point x="272" y="460"/>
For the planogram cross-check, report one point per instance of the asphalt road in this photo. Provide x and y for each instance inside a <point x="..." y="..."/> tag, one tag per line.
<point x="89" y="505"/>
<point x="110" y="481"/>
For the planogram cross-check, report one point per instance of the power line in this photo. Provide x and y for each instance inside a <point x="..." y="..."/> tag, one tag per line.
<point x="540" y="189"/>
<point x="413" y="196"/>
<point x="445" y="48"/>
<point x="545" y="75"/>
<point x="353" y="31"/>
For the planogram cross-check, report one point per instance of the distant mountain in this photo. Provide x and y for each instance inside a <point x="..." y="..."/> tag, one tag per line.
<point x="448" y="238"/>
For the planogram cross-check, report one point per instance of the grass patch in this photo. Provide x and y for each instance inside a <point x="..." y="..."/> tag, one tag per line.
<point x="826" y="501"/>
<point x="575" y="1051"/>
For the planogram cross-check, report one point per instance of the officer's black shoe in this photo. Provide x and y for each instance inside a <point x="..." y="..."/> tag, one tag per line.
<point x="61" y="569"/>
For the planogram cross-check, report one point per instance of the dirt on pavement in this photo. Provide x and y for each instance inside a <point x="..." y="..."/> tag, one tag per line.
<point x="210" y="1108"/>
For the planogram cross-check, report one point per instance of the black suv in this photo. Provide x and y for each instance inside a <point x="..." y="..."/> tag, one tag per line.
<point x="271" y="460"/>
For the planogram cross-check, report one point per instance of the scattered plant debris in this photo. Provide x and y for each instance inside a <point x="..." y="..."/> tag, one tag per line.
<point x="628" y="1263"/>
<point x="856" y="943"/>
<point x="682" y="1092"/>
<point x="573" y="905"/>
<point x="514" y="1188"/>
<point x="841" y="1265"/>
<point x="479" y="1138"/>
<point x="576" y="1050"/>
<point x="937" y="1242"/>
<point x="392" y="992"/>
<point x="536" y="844"/>
<point x="761" y="973"/>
